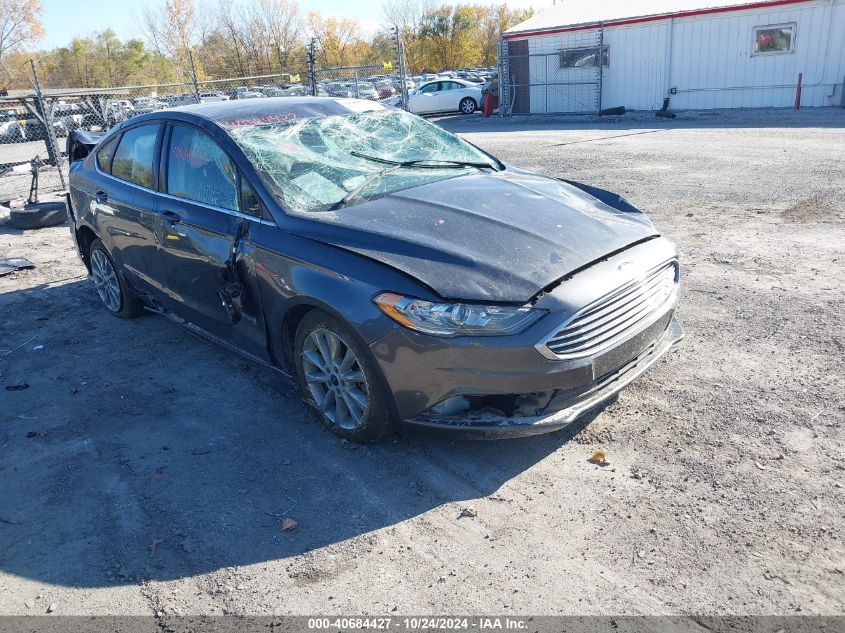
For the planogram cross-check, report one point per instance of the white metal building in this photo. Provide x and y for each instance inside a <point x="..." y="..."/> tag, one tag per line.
<point x="702" y="54"/>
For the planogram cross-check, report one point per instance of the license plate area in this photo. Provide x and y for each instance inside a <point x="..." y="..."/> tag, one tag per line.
<point x="624" y="352"/>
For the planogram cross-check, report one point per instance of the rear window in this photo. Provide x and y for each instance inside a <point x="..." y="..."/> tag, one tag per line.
<point x="135" y="155"/>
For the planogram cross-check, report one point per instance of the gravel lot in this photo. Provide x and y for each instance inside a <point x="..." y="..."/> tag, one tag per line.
<point x="141" y="469"/>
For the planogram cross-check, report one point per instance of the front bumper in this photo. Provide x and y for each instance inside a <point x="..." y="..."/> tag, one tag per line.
<point x="564" y="406"/>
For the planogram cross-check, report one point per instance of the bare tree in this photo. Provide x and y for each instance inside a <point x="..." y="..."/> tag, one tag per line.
<point x="277" y="25"/>
<point x="173" y="29"/>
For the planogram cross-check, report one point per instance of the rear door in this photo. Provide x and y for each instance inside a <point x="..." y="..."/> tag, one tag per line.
<point x="451" y="93"/>
<point x="203" y="207"/>
<point x="123" y="197"/>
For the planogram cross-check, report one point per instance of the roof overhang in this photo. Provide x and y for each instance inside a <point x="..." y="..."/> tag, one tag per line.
<point x="510" y="35"/>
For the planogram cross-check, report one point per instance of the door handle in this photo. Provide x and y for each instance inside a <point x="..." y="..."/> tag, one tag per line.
<point x="101" y="196"/>
<point x="171" y="216"/>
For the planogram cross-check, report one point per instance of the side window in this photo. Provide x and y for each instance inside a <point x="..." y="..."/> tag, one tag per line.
<point x="451" y="85"/>
<point x="582" y="57"/>
<point x="198" y="169"/>
<point x="430" y="87"/>
<point x="774" y="39"/>
<point x="105" y="154"/>
<point x="135" y="155"/>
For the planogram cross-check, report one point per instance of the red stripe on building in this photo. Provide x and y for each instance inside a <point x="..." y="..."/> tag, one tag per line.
<point x="652" y="18"/>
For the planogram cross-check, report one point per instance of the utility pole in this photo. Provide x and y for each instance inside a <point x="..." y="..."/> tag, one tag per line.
<point x="194" y="75"/>
<point x="312" y="66"/>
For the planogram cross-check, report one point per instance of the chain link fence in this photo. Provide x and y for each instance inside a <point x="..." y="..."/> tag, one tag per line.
<point x="559" y="74"/>
<point x="34" y="127"/>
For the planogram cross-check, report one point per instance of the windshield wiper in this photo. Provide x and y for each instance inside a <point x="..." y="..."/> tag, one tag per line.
<point x="424" y="163"/>
<point x="432" y="163"/>
<point x="349" y="197"/>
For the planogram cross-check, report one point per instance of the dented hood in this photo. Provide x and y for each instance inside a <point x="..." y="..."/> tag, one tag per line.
<point x="498" y="237"/>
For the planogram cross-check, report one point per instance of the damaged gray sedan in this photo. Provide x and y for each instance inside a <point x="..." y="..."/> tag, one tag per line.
<point x="396" y="271"/>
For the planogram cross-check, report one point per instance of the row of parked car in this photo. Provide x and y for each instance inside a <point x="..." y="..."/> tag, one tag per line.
<point x="18" y="125"/>
<point x="450" y="91"/>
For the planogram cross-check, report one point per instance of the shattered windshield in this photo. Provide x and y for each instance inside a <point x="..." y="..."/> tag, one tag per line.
<point x="327" y="163"/>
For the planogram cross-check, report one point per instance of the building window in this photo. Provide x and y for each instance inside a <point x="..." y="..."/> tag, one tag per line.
<point x="582" y="57"/>
<point x="779" y="38"/>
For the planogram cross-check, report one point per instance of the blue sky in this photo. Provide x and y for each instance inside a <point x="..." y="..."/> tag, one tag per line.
<point x="64" y="19"/>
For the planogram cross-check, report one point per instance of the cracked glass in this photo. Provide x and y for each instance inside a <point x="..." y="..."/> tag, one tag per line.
<point x="321" y="164"/>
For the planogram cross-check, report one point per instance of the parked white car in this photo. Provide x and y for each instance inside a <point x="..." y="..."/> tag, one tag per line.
<point x="445" y="95"/>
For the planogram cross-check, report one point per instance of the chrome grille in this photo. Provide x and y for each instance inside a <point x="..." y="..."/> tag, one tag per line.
<point x="613" y="317"/>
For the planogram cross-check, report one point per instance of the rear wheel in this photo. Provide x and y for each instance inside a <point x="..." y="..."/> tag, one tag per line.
<point x="112" y="289"/>
<point x="337" y="375"/>
<point x="467" y="105"/>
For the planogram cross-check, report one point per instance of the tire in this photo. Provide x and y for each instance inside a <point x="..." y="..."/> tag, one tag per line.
<point x="39" y="215"/>
<point x="111" y="286"/>
<point x="467" y="105"/>
<point x="344" y="411"/>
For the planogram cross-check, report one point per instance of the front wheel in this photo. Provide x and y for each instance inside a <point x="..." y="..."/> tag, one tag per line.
<point x="112" y="289"/>
<point x="467" y="105"/>
<point x="337" y="375"/>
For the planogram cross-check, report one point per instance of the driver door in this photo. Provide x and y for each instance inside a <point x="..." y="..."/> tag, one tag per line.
<point x="206" y="214"/>
<point x="427" y="98"/>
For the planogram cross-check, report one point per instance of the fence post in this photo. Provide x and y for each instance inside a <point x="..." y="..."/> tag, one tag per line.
<point x="194" y="76"/>
<point x="504" y="78"/>
<point x="312" y="66"/>
<point x="46" y="115"/>
<point x="601" y="63"/>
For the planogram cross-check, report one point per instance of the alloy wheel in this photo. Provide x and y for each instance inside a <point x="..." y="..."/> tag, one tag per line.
<point x="105" y="280"/>
<point x="467" y="106"/>
<point x="335" y="378"/>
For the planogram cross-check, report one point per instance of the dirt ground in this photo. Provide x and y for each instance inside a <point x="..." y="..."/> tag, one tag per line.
<point x="144" y="471"/>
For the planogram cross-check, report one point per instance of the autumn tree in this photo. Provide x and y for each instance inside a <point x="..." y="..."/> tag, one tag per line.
<point x="20" y="24"/>
<point x="339" y="41"/>
<point x="20" y="27"/>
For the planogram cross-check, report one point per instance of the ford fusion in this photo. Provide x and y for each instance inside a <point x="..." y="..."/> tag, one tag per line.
<point x="396" y="271"/>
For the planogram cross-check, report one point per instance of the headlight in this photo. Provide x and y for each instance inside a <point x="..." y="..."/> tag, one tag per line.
<point x="456" y="319"/>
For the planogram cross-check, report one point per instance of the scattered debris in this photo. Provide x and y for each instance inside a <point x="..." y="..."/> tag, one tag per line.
<point x="759" y="465"/>
<point x="641" y="553"/>
<point x="599" y="458"/>
<point x="11" y="264"/>
<point x="51" y="608"/>
<point x="280" y="515"/>
<point x="31" y="433"/>
<point x="18" y="387"/>
<point x="37" y="348"/>
<point x="199" y="452"/>
<point x="467" y="513"/>
<point x="288" y="524"/>
<point x="154" y="545"/>
<point x="8" y="522"/>
<point x="14" y="349"/>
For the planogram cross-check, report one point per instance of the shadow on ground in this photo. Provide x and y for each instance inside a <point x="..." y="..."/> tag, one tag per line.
<point x="138" y="452"/>
<point x="705" y="119"/>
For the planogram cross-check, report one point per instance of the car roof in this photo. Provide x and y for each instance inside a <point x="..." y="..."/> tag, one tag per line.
<point x="270" y="109"/>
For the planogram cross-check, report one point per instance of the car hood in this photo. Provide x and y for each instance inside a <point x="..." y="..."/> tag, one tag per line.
<point x="499" y="237"/>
